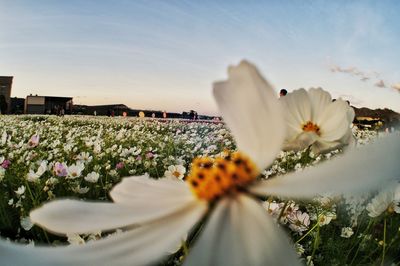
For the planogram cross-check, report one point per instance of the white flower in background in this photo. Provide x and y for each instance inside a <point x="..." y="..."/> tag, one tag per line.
<point x="238" y="230"/>
<point x="4" y="138"/>
<point x="2" y="159"/>
<point x="84" y="157"/>
<point x="299" y="249"/>
<point x="299" y="221"/>
<point x="92" y="177"/>
<point x="175" y="171"/>
<point x="33" y="141"/>
<point x="20" y="191"/>
<point x="26" y="223"/>
<point x="347" y="232"/>
<point x="75" y="170"/>
<point x="314" y="120"/>
<point x="31" y="176"/>
<point x="80" y="190"/>
<point x="386" y="200"/>
<point x="325" y="218"/>
<point x="75" y="239"/>
<point x="274" y="209"/>
<point x="2" y="173"/>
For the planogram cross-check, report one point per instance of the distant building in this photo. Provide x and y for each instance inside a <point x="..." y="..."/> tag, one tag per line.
<point x="5" y="94"/>
<point x="108" y="110"/>
<point x="17" y="105"/>
<point x="48" y="105"/>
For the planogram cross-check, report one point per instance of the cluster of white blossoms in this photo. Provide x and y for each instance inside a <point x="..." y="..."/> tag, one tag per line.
<point x="220" y="192"/>
<point x="388" y="200"/>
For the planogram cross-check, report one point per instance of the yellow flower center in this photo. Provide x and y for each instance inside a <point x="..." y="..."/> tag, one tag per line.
<point x="211" y="178"/>
<point x="311" y="127"/>
<point x="390" y="209"/>
<point x="176" y="174"/>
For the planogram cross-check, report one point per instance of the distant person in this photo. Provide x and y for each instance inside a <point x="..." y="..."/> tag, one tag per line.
<point x="283" y="92"/>
<point x="95" y="113"/>
<point x="62" y="112"/>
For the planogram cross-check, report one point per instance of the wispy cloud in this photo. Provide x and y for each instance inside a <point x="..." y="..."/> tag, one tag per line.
<point x="380" y="84"/>
<point x="354" y="71"/>
<point x="364" y="76"/>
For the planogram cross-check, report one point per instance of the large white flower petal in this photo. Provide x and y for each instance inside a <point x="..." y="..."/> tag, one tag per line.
<point x="357" y="170"/>
<point x="319" y="99"/>
<point x="73" y="216"/>
<point x="146" y="188"/>
<point x="240" y="232"/>
<point x="249" y="106"/>
<point x="141" y="246"/>
<point x="334" y="121"/>
<point x="304" y="139"/>
<point x="298" y="111"/>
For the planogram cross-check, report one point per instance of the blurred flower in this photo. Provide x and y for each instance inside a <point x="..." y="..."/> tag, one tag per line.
<point x="26" y="223"/>
<point x="119" y="165"/>
<point x="75" y="170"/>
<point x="33" y="141"/>
<point x="175" y="171"/>
<point x="314" y="120"/>
<point x="80" y="190"/>
<point x="75" y="239"/>
<point x="60" y="169"/>
<point x="149" y="155"/>
<point x="347" y="232"/>
<point x="386" y="200"/>
<point x="5" y="164"/>
<point x="92" y="177"/>
<point x="20" y="191"/>
<point x="299" y="221"/>
<point x="2" y="173"/>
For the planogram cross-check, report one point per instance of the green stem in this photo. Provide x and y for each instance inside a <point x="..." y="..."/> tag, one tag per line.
<point x="316" y="242"/>
<point x="359" y="245"/>
<point x="282" y="211"/>
<point x="384" y="241"/>
<point x="309" y="231"/>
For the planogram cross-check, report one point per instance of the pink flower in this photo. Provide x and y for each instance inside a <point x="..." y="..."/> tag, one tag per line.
<point x="119" y="165"/>
<point x="149" y="155"/>
<point x="33" y="141"/>
<point x="60" y="169"/>
<point x="5" y="164"/>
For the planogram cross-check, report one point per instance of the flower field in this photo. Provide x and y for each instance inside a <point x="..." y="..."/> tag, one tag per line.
<point x="46" y="157"/>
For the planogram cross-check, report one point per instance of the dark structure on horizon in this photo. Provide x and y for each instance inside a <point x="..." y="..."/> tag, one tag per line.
<point x="5" y="94"/>
<point x="17" y="106"/>
<point x="35" y="104"/>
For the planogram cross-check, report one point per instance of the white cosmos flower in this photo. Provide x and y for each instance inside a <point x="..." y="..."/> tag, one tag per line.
<point x="75" y="170"/>
<point x="20" y="191"/>
<point x="347" y="232"/>
<point x="157" y="214"/>
<point x="386" y="200"/>
<point x="31" y="176"/>
<point x="313" y="119"/>
<point x="175" y="171"/>
<point x="92" y="177"/>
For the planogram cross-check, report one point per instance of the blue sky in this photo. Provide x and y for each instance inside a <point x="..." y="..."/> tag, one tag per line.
<point x="166" y="54"/>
